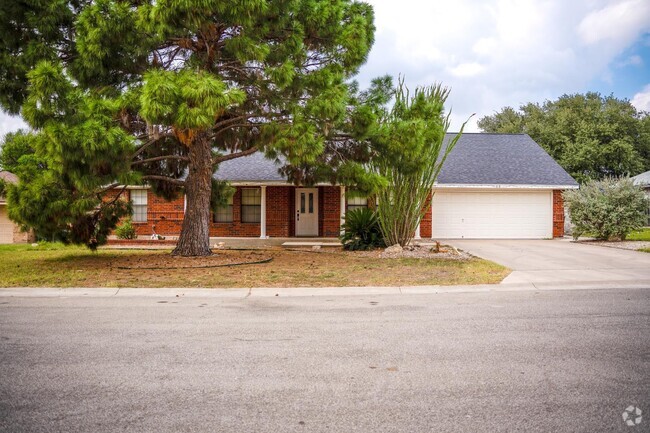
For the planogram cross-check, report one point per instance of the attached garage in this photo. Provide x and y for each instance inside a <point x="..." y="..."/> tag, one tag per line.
<point x="492" y="215"/>
<point x="498" y="186"/>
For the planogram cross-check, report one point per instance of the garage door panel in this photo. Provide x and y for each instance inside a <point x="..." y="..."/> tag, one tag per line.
<point x="492" y="215"/>
<point x="6" y="227"/>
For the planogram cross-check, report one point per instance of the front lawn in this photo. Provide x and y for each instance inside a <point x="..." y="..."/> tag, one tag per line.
<point x="58" y="266"/>
<point x="641" y="235"/>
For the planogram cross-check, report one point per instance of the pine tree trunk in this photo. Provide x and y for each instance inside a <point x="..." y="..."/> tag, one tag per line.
<point x="194" y="239"/>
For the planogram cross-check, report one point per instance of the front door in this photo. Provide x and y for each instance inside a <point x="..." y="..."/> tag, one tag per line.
<point x="306" y="211"/>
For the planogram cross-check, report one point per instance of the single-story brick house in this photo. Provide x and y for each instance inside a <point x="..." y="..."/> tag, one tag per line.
<point x="643" y="180"/>
<point x="491" y="186"/>
<point x="10" y="232"/>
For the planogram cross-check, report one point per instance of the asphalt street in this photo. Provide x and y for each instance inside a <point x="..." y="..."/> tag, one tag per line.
<point x="547" y="361"/>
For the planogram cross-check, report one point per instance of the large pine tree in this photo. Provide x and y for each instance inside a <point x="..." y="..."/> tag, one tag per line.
<point x="162" y="91"/>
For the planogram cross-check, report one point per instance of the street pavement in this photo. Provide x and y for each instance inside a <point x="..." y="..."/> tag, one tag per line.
<point x="528" y="361"/>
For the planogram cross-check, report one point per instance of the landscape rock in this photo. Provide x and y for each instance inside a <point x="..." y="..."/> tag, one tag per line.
<point x="395" y="249"/>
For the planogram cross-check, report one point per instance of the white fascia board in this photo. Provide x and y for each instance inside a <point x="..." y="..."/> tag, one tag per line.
<point x="274" y="183"/>
<point x="500" y="186"/>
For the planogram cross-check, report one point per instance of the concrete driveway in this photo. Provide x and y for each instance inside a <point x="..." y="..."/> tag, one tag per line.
<point x="561" y="261"/>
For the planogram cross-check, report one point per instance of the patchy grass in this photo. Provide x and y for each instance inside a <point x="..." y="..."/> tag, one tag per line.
<point x="641" y="235"/>
<point x="645" y="250"/>
<point x="53" y="265"/>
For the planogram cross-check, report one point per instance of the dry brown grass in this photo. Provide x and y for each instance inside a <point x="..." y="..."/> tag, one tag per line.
<point x="58" y="266"/>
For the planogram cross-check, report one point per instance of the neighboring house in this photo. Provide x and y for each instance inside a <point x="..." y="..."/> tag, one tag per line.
<point x="643" y="180"/>
<point x="491" y="186"/>
<point x="10" y="233"/>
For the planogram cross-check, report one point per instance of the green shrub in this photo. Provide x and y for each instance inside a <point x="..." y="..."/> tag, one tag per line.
<point x="607" y="209"/>
<point x="125" y="230"/>
<point x="361" y="230"/>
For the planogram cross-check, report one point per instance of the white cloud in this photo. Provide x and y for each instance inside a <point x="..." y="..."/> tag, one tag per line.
<point x="467" y="70"/>
<point x="9" y="124"/>
<point x="641" y="100"/>
<point x="620" y="22"/>
<point x="494" y="53"/>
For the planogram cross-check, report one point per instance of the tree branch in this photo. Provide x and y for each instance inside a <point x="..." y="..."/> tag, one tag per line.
<point x="164" y="179"/>
<point x="230" y="156"/>
<point x="161" y="158"/>
<point x="149" y="143"/>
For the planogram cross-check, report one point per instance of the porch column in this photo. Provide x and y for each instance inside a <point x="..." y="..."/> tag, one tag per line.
<point x="263" y="213"/>
<point x="417" y="232"/>
<point x="343" y="207"/>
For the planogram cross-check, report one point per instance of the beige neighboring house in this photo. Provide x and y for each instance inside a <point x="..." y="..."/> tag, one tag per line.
<point x="10" y="233"/>
<point x="643" y="180"/>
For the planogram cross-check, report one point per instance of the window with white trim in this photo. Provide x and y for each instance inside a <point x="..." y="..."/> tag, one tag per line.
<point x="139" y="204"/>
<point x="357" y="203"/>
<point x="223" y="213"/>
<point x="251" y="205"/>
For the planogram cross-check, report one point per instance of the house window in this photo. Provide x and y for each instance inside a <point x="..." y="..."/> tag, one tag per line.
<point x="224" y="213"/>
<point x="139" y="203"/>
<point x="251" y="205"/>
<point x="357" y="203"/>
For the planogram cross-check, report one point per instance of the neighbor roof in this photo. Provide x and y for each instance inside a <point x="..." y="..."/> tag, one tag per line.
<point x="642" y="179"/>
<point x="8" y="177"/>
<point x="477" y="159"/>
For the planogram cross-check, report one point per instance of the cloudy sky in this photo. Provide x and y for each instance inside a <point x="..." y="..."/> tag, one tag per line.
<point x="494" y="53"/>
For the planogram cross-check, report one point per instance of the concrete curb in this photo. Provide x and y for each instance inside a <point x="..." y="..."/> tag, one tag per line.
<point x="266" y="292"/>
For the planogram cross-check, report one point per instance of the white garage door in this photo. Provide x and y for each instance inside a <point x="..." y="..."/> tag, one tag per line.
<point x="6" y="227"/>
<point x="492" y="215"/>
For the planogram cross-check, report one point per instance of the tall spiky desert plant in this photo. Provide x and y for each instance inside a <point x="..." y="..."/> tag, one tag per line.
<point x="411" y="150"/>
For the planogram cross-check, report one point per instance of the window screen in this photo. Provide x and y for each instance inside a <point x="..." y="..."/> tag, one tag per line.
<point x="224" y="213"/>
<point x="251" y="205"/>
<point x="357" y="202"/>
<point x="139" y="203"/>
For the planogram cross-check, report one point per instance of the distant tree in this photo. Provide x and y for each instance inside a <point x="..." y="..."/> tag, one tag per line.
<point x="13" y="146"/>
<point x="410" y="153"/>
<point x="590" y="135"/>
<point x="123" y="92"/>
<point x="607" y="209"/>
<point x="506" y="121"/>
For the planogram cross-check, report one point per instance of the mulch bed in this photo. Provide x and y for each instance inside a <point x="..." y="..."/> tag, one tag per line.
<point x="221" y="258"/>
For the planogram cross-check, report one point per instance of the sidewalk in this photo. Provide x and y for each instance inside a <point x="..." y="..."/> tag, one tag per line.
<point x="263" y="292"/>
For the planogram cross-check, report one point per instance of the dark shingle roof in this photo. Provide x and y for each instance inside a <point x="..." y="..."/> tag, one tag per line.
<point x="251" y="168"/>
<point x="501" y="159"/>
<point x="477" y="159"/>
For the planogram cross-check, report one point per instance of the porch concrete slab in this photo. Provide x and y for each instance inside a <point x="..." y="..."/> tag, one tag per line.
<point x="269" y="242"/>
<point x="559" y="261"/>
<point x="311" y="244"/>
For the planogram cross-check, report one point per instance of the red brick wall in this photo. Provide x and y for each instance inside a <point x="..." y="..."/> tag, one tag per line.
<point x="167" y="216"/>
<point x="425" y="224"/>
<point x="558" y="214"/>
<point x="280" y="211"/>
<point x="236" y="228"/>
<point x="329" y="218"/>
